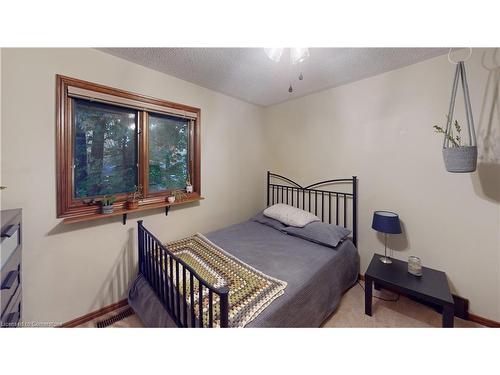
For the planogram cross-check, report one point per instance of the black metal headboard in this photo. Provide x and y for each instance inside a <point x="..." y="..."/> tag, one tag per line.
<point x="329" y="205"/>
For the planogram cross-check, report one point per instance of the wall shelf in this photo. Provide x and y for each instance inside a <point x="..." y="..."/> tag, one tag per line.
<point x="123" y="212"/>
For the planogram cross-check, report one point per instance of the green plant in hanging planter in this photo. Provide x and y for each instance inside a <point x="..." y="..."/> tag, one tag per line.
<point x="455" y="140"/>
<point x="458" y="157"/>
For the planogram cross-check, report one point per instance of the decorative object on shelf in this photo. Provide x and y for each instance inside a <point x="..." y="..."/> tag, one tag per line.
<point x="297" y="56"/>
<point x="134" y="198"/>
<point x="459" y="156"/>
<point x="189" y="186"/>
<point x="386" y="222"/>
<point x="176" y="195"/>
<point x="107" y="204"/>
<point x="179" y="195"/>
<point x="415" y="265"/>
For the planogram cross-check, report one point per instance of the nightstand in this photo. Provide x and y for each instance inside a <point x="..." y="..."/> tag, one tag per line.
<point x="431" y="287"/>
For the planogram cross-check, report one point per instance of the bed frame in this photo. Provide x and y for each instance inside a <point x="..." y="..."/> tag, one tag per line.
<point x="317" y="198"/>
<point x="171" y="291"/>
<point x="167" y="287"/>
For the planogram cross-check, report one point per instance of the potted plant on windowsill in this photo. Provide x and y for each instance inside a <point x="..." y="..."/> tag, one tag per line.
<point x="134" y="198"/>
<point x="107" y="204"/>
<point x="176" y="195"/>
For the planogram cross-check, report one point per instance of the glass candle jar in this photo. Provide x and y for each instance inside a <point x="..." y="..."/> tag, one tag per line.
<point x="415" y="266"/>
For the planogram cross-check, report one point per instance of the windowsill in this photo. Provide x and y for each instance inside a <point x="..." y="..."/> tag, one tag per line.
<point x="124" y="211"/>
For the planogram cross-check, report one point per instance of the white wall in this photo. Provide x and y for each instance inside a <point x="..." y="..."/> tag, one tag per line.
<point x="70" y="270"/>
<point x="380" y="129"/>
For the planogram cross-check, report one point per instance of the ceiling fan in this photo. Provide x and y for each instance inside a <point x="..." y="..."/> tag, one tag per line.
<point x="297" y="55"/>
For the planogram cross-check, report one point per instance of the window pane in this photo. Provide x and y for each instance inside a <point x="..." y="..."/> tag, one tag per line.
<point x="168" y="152"/>
<point x="105" y="149"/>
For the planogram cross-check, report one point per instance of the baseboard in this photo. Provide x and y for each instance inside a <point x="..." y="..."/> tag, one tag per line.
<point x="462" y="312"/>
<point x="88" y="317"/>
<point x="483" y="321"/>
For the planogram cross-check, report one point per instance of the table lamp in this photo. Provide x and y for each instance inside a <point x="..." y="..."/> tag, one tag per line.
<point x="388" y="223"/>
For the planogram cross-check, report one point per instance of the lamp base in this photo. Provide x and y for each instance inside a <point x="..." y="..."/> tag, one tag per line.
<point x="385" y="260"/>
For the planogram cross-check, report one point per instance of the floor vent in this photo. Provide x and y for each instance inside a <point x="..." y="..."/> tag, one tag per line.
<point x="112" y="320"/>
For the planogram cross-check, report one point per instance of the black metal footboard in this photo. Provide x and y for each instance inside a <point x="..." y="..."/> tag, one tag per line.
<point x="189" y="299"/>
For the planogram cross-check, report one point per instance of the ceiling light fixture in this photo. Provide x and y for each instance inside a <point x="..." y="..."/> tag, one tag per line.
<point x="274" y="53"/>
<point x="297" y="56"/>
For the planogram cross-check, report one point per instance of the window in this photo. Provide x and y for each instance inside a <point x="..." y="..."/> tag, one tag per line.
<point x="111" y="141"/>
<point x="168" y="152"/>
<point x="105" y="149"/>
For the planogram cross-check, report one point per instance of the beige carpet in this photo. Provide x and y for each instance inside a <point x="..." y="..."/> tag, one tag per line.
<point x="401" y="314"/>
<point x="351" y="313"/>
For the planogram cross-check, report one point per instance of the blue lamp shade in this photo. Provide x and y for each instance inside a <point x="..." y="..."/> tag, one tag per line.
<point x="386" y="222"/>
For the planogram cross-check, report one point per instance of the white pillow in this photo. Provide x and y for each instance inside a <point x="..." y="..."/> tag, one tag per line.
<point x="289" y="215"/>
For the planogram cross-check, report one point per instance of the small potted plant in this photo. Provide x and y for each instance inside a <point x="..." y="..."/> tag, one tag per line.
<point x="457" y="157"/>
<point x="107" y="204"/>
<point x="189" y="186"/>
<point x="176" y="195"/>
<point x="134" y="198"/>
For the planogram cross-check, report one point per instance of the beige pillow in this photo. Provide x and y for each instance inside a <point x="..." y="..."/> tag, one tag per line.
<point x="289" y="215"/>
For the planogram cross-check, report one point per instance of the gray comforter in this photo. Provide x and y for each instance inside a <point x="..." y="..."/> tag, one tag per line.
<point x="316" y="275"/>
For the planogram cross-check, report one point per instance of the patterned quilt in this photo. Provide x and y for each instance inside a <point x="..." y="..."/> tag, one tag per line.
<point x="250" y="291"/>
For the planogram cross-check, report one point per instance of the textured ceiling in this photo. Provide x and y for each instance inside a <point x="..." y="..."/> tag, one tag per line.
<point x="247" y="73"/>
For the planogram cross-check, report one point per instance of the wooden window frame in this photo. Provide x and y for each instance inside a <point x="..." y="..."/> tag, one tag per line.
<point x="77" y="208"/>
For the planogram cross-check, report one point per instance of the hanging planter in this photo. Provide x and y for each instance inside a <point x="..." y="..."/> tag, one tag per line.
<point x="459" y="157"/>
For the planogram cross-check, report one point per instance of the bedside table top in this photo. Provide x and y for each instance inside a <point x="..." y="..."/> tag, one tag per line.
<point x="432" y="283"/>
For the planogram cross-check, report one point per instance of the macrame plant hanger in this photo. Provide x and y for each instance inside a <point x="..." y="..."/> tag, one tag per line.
<point x="460" y="158"/>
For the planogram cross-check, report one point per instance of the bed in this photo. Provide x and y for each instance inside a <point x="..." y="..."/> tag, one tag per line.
<point x="316" y="276"/>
